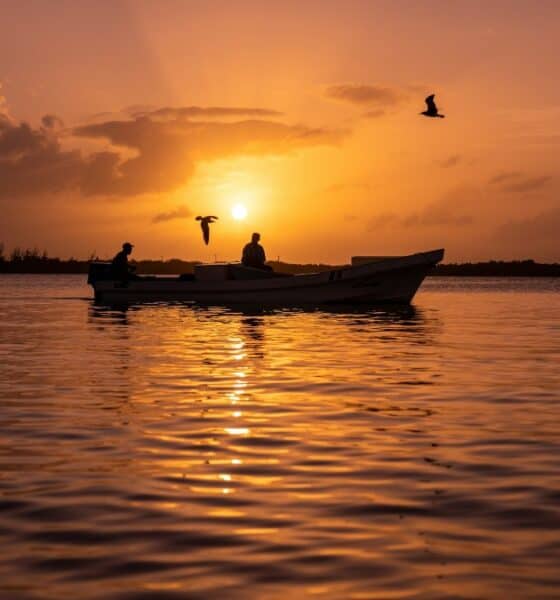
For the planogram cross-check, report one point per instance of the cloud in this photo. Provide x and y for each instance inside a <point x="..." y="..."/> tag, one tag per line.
<point x="418" y="219"/>
<point x="3" y="102"/>
<point x="166" y="152"/>
<point x="540" y="232"/>
<point x="183" y="112"/>
<point x="374" y="114"/>
<point x="528" y="184"/>
<point x="516" y="182"/>
<point x="51" y="121"/>
<point x="33" y="162"/>
<point x="504" y="177"/>
<point x="544" y="225"/>
<point x="440" y="213"/>
<point x="144" y="154"/>
<point x="366" y="95"/>
<point x="379" y="100"/>
<point x="198" y="112"/>
<point x="451" y="161"/>
<point x="181" y="212"/>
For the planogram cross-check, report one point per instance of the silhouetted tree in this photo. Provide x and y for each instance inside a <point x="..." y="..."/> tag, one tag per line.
<point x="17" y="255"/>
<point x="31" y="255"/>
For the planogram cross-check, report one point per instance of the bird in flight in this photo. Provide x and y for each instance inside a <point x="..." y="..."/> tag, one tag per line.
<point x="205" y="226"/>
<point x="432" y="110"/>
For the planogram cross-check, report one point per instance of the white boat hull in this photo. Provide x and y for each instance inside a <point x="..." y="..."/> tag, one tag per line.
<point x="392" y="280"/>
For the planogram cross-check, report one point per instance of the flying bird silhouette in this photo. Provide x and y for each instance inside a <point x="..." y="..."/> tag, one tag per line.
<point x="205" y="226"/>
<point x="432" y="110"/>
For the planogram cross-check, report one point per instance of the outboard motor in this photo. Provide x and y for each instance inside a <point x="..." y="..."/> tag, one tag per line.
<point x="99" y="271"/>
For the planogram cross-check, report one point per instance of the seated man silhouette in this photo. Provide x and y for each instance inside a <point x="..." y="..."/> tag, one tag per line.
<point x="253" y="254"/>
<point x="121" y="269"/>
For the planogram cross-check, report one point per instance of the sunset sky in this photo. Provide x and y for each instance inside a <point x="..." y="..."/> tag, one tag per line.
<point x="124" y="120"/>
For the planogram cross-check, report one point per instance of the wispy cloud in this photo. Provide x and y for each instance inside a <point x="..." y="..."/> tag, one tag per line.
<point x="538" y="231"/>
<point x="518" y="183"/>
<point x="366" y="95"/>
<point x="418" y="219"/>
<point x="504" y="177"/>
<point x="450" y="161"/>
<point x="181" y="212"/>
<point x="200" y="112"/>
<point x="374" y="114"/>
<point x="440" y="213"/>
<point x="529" y="184"/>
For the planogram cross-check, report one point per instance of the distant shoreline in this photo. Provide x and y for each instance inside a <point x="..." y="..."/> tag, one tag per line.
<point x="34" y="264"/>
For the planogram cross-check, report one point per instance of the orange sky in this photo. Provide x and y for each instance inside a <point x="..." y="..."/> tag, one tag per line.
<point x="306" y="113"/>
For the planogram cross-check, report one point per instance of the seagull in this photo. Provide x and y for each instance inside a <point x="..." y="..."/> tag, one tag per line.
<point x="432" y="110"/>
<point x="205" y="226"/>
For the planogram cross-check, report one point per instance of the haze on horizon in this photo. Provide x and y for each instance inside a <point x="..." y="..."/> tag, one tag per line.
<point x="125" y="120"/>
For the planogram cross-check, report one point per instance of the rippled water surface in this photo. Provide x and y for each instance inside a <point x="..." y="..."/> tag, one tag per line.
<point x="180" y="453"/>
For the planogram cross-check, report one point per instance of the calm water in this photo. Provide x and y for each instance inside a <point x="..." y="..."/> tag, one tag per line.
<point x="179" y="453"/>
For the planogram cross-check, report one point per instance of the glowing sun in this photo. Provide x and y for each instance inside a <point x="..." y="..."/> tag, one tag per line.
<point x="239" y="212"/>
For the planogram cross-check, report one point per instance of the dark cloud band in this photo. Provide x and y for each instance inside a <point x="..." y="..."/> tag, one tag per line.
<point x="153" y="152"/>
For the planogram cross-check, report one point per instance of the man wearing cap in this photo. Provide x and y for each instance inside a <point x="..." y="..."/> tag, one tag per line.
<point x="121" y="268"/>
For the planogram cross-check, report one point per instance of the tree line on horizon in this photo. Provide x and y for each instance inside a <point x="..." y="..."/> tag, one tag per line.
<point x="32" y="260"/>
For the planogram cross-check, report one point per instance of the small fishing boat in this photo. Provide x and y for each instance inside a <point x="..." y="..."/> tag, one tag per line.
<point x="368" y="280"/>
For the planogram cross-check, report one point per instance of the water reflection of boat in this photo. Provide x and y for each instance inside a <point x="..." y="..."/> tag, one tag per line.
<point x="369" y="281"/>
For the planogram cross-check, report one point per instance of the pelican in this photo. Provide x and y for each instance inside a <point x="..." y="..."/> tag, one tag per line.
<point x="432" y="110"/>
<point x="205" y="226"/>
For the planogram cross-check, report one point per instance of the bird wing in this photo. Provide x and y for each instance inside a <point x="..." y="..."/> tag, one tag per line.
<point x="198" y="219"/>
<point x="430" y="102"/>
